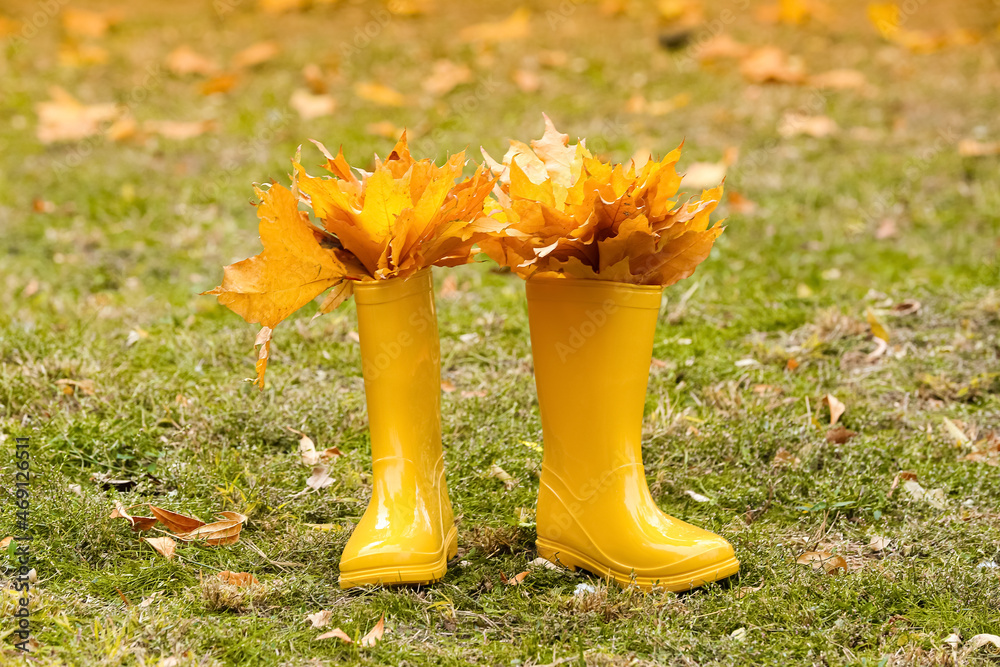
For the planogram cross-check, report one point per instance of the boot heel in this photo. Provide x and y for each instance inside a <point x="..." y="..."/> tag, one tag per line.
<point x="557" y="556"/>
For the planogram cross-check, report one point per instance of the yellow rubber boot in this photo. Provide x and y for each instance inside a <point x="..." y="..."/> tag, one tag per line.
<point x="592" y="343"/>
<point x="407" y="534"/>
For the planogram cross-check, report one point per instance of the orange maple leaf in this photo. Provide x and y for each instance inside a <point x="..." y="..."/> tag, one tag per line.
<point x="569" y="214"/>
<point x="404" y="216"/>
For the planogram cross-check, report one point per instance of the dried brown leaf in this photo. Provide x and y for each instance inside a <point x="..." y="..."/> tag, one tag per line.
<point x="336" y="633"/>
<point x="374" y="635"/>
<point x="823" y="560"/>
<point x="837" y="408"/>
<point x="321" y="618"/>
<point x="163" y="545"/>
<point x="176" y="523"/>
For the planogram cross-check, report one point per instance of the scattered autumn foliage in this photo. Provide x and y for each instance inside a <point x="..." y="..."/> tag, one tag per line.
<point x="404" y="216"/>
<point x="570" y="214"/>
<point x="185" y="528"/>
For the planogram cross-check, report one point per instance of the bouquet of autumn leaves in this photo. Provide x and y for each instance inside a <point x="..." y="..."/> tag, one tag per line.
<point x="557" y="211"/>
<point x="567" y="213"/>
<point x="403" y="216"/>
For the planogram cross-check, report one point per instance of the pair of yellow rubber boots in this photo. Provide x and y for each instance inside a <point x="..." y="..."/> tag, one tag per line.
<point x="592" y="344"/>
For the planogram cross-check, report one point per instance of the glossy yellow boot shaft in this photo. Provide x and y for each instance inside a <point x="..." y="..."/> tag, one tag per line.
<point x="407" y="533"/>
<point x="592" y="344"/>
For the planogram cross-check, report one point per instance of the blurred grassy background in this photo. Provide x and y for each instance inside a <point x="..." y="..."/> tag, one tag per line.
<point x="118" y="371"/>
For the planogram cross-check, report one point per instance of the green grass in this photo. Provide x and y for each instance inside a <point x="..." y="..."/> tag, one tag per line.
<point x="105" y="289"/>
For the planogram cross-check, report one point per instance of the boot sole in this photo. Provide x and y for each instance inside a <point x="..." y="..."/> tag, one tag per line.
<point x="408" y="575"/>
<point x="574" y="560"/>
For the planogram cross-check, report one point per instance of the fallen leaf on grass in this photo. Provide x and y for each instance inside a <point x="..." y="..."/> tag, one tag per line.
<point x="137" y="522"/>
<point x="737" y="203"/>
<point x="901" y="476"/>
<point x="979" y="641"/>
<point x="307" y="448"/>
<point x="384" y="128"/>
<point x="701" y="175"/>
<point x="178" y="130"/>
<point x="515" y="26"/>
<point x="320" y="478"/>
<point x="933" y="497"/>
<point x="638" y="104"/>
<point x="146" y="602"/>
<point x="878" y="329"/>
<point x="315" y="78"/>
<point x="176" y="523"/>
<point x="82" y="55"/>
<point x="839" y="435"/>
<point x="769" y="64"/>
<point x="501" y="474"/>
<point x="71" y="387"/>
<point x="957" y="434"/>
<point x="325" y="527"/>
<point x="321" y="618"/>
<point x="823" y="560"/>
<point x="794" y="124"/>
<point x="6" y="541"/>
<point x="838" y="79"/>
<point x="479" y="393"/>
<point x="374" y="635"/>
<point x="973" y="148"/>
<point x="222" y="83"/>
<point x="85" y="23"/>
<point x="310" y="105"/>
<point x="64" y="118"/>
<point x="218" y="533"/>
<point x="234" y="516"/>
<point x="886" y="17"/>
<point x="448" y="386"/>
<point x="330" y="453"/>
<point x="336" y="633"/>
<point x="907" y="307"/>
<point x="238" y="579"/>
<point x="527" y="80"/>
<point x="514" y="580"/>
<point x="184" y="60"/>
<point x="445" y="76"/>
<point x="378" y="93"/>
<point x="544" y="563"/>
<point x="256" y="54"/>
<point x="719" y="47"/>
<point x="163" y="545"/>
<point x="837" y="408"/>
<point x="879" y="543"/>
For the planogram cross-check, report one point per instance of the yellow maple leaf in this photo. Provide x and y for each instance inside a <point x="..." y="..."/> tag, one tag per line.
<point x="567" y="213"/>
<point x="402" y="217"/>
